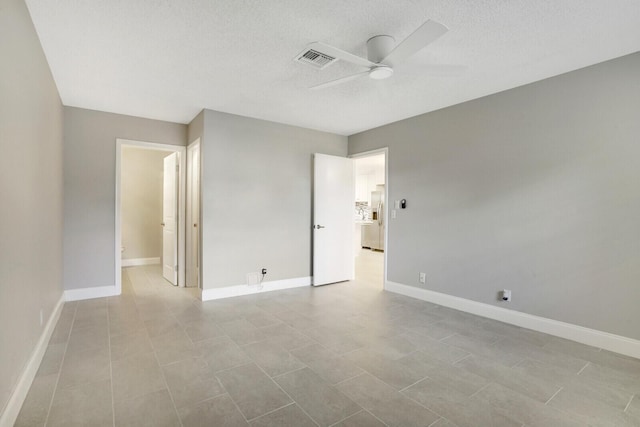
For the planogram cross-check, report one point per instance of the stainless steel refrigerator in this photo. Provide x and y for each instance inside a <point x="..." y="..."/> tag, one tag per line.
<point x="373" y="234"/>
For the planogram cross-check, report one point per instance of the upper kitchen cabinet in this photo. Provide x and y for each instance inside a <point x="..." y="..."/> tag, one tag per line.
<point x="362" y="188"/>
<point x="369" y="174"/>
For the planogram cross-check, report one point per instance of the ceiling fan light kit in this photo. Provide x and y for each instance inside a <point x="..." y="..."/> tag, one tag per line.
<point x="380" y="73"/>
<point x="382" y="53"/>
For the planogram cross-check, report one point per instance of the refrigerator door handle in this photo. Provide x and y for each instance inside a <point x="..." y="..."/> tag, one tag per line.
<point x="379" y="213"/>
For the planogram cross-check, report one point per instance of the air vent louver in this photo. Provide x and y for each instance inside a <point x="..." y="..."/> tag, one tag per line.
<point x="316" y="59"/>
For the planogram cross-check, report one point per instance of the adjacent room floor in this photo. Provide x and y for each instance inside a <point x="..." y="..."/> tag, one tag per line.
<point x="369" y="266"/>
<point x="343" y="355"/>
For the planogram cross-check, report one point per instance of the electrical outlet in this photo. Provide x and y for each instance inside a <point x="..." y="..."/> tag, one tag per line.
<point x="264" y="271"/>
<point x="423" y="277"/>
<point x="506" y="295"/>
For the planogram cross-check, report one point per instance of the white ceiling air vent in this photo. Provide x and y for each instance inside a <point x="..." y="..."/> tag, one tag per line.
<point x="316" y="59"/>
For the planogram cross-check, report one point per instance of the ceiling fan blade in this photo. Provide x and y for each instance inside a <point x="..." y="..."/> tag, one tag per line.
<point x="341" y="54"/>
<point x="338" y="81"/>
<point x="424" y="35"/>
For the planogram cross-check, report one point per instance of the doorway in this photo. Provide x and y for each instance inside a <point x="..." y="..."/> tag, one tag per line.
<point x="370" y="210"/>
<point x="158" y="200"/>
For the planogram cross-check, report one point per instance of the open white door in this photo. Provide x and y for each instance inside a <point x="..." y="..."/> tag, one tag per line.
<point x="170" y="219"/>
<point x="333" y="204"/>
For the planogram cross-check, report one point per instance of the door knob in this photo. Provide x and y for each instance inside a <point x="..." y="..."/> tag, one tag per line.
<point x="195" y="225"/>
<point x="319" y="226"/>
<point x="162" y="224"/>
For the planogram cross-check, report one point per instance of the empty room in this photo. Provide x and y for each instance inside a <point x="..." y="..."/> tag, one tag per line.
<point x="298" y="213"/>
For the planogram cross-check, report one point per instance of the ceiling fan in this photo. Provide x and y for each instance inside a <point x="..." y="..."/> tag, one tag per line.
<point x="382" y="55"/>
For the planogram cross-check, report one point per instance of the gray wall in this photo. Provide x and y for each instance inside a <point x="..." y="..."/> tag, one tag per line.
<point x="89" y="188"/>
<point x="536" y="189"/>
<point x="256" y="197"/>
<point x="30" y="193"/>
<point x="141" y="173"/>
<point x="195" y="129"/>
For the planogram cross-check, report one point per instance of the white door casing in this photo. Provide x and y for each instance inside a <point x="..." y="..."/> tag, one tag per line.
<point x="120" y="143"/>
<point x="193" y="215"/>
<point x="386" y="208"/>
<point x="333" y="215"/>
<point x="170" y="219"/>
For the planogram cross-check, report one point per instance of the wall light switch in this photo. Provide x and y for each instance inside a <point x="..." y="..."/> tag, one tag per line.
<point x="397" y="204"/>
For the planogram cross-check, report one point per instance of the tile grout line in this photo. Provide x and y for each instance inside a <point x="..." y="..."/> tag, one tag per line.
<point x="287" y="394"/>
<point x="411" y="385"/>
<point x="461" y="359"/>
<point x="288" y="372"/>
<point x="270" y="412"/>
<point x="175" y="408"/>
<point x="449" y="336"/>
<point x="347" y="379"/>
<point x="66" y="347"/>
<point x="359" y="412"/>
<point x="629" y="403"/>
<point x="583" y="368"/>
<point x="234" y="404"/>
<point x="480" y="389"/>
<point x="554" y="395"/>
<point x="345" y="418"/>
<point x="438" y="420"/>
<point x="285" y="373"/>
<point x="374" y="416"/>
<point x="423" y="406"/>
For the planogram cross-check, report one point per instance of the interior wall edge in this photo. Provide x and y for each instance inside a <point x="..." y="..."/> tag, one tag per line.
<point x="91" y="293"/>
<point x="593" y="337"/>
<point x="12" y="409"/>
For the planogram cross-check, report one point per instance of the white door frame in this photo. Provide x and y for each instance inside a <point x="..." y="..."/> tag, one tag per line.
<point x="120" y="142"/>
<point x="387" y="203"/>
<point x="189" y="213"/>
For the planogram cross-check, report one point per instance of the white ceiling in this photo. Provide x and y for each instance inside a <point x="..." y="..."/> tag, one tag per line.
<point x="168" y="59"/>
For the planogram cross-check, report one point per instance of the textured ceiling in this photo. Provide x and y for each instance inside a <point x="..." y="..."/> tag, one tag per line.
<point x="168" y="59"/>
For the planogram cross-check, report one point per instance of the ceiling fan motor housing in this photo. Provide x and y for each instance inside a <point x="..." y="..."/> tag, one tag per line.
<point x="378" y="47"/>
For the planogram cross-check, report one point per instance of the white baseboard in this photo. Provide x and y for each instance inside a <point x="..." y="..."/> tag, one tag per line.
<point x="235" y="291"/>
<point x="90" y="293"/>
<point x="133" y="262"/>
<point x="592" y="337"/>
<point x="12" y="409"/>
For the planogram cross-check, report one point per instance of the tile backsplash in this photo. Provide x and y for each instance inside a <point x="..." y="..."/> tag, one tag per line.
<point x="362" y="211"/>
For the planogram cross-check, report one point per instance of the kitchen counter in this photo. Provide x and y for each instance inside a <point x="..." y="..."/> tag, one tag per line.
<point x="363" y="222"/>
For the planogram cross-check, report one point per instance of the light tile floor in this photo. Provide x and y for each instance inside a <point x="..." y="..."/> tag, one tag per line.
<point x="347" y="354"/>
<point x="370" y="268"/>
